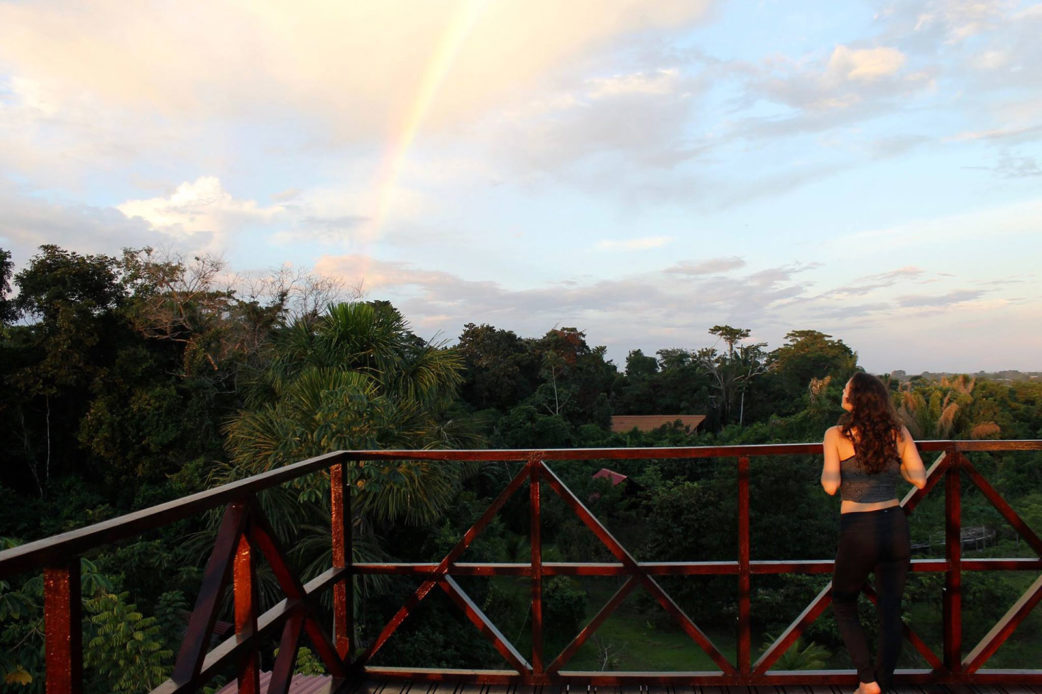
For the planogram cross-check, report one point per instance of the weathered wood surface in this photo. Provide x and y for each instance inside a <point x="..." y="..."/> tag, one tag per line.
<point x="400" y="687"/>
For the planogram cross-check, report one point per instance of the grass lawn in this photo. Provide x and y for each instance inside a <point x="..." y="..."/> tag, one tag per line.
<point x="631" y="642"/>
<point x="633" y="645"/>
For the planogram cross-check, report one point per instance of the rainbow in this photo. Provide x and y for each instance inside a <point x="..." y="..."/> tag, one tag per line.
<point x="445" y="52"/>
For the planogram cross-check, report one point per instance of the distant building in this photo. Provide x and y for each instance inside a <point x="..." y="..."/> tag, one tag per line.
<point x="628" y="486"/>
<point x="615" y="478"/>
<point x="649" y="422"/>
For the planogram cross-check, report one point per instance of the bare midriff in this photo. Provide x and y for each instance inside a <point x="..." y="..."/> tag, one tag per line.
<point x="859" y="507"/>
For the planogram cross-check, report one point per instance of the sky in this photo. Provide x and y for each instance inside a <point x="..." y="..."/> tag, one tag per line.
<point x="639" y="170"/>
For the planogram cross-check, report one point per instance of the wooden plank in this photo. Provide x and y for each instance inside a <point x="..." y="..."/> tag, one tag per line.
<point x="215" y="577"/>
<point x="62" y="610"/>
<point x="442" y="568"/>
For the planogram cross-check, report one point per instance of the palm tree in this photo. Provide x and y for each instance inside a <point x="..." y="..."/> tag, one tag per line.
<point x="944" y="411"/>
<point x="352" y="378"/>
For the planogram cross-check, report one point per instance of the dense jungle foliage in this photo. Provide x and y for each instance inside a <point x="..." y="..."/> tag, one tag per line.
<point x="132" y="380"/>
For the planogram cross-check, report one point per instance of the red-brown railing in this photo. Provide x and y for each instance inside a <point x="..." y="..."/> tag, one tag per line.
<point x="244" y="533"/>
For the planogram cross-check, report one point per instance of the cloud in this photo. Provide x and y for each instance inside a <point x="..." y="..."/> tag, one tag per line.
<point x="989" y="47"/>
<point x="641" y="117"/>
<point x="668" y="309"/>
<point x="867" y="79"/>
<point x="30" y="221"/>
<point x="1011" y="166"/>
<point x="1003" y="223"/>
<point x="283" y="57"/>
<point x="707" y="267"/>
<point x="662" y="81"/>
<point x="641" y="244"/>
<point x="199" y="207"/>
<point x="62" y="138"/>
<point x="618" y="311"/>
<point x="869" y="283"/>
<point x="866" y="64"/>
<point x="939" y="300"/>
<point x="959" y="20"/>
<point x="1018" y="133"/>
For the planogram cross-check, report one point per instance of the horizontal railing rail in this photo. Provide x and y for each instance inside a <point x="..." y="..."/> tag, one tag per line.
<point x="245" y="535"/>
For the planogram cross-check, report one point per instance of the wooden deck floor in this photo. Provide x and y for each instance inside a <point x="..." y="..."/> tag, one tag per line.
<point x="399" y="687"/>
<point x="303" y="684"/>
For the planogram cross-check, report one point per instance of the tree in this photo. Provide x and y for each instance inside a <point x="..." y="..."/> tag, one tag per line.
<point x="808" y="354"/>
<point x="730" y="335"/>
<point x="947" y="409"/>
<point x="732" y="372"/>
<point x="58" y="282"/>
<point x="354" y="378"/>
<point x="640" y="366"/>
<point x="51" y="364"/>
<point x="500" y="369"/>
<point x="637" y="390"/>
<point x="182" y="304"/>
<point x="577" y="379"/>
<point x="7" y="308"/>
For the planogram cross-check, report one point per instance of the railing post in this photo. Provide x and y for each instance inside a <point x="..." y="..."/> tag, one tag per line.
<point x="244" y="576"/>
<point x="537" y="567"/>
<point x="62" y="610"/>
<point x="343" y="591"/>
<point x="952" y="607"/>
<point x="744" y="572"/>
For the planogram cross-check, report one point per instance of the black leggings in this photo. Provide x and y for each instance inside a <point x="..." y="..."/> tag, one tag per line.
<point x="872" y="542"/>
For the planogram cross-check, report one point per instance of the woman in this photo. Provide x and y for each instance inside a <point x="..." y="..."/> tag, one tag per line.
<point x="864" y="455"/>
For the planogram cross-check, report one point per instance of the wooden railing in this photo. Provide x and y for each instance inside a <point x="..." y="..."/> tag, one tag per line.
<point x="244" y="535"/>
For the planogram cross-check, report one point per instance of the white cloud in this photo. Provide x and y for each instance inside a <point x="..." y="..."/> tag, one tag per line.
<point x="318" y="58"/>
<point x="961" y="229"/>
<point x="30" y="221"/>
<point x="706" y="267"/>
<point x="641" y="244"/>
<point x="872" y="79"/>
<point x="960" y="20"/>
<point x="199" y="207"/>
<point x="864" y="64"/>
<point x="663" y="81"/>
<point x="633" y="125"/>
<point x="992" y="60"/>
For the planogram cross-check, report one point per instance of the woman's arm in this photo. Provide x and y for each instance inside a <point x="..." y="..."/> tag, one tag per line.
<point x="911" y="464"/>
<point x="830" y="470"/>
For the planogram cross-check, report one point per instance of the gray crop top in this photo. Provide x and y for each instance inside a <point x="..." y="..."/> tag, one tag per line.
<point x="856" y="484"/>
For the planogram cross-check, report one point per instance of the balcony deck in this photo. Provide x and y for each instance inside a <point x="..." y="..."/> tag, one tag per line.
<point x="304" y="684"/>
<point x="245" y="538"/>
<point x="450" y="688"/>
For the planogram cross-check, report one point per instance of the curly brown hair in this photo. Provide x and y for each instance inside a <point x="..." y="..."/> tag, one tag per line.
<point x="872" y="423"/>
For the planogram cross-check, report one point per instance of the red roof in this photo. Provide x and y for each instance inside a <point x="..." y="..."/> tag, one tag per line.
<point x="605" y="473"/>
<point x="650" y="422"/>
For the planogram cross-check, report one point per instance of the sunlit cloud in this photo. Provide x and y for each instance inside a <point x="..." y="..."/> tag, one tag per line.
<point x="864" y="64"/>
<point x="1029" y="131"/>
<point x="939" y="300"/>
<point x="663" y="81"/>
<point x="28" y="222"/>
<point x="198" y="207"/>
<point x="253" y="55"/>
<point x="641" y="244"/>
<point x="961" y="19"/>
<point x="707" y="267"/>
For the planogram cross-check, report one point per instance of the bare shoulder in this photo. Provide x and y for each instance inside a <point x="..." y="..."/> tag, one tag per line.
<point x="833" y="432"/>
